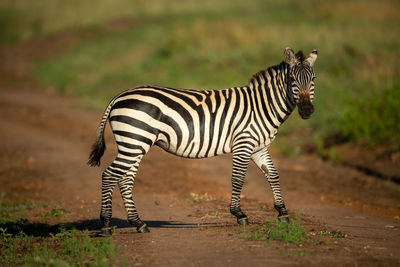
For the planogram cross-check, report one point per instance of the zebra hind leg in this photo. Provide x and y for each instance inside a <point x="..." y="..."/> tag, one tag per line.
<point x="126" y="186"/>
<point x="109" y="180"/>
<point x="120" y="170"/>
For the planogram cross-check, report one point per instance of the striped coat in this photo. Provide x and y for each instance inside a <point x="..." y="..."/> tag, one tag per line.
<point x="204" y="123"/>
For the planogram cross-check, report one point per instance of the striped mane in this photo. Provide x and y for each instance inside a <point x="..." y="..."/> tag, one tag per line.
<point x="263" y="73"/>
<point x="260" y="73"/>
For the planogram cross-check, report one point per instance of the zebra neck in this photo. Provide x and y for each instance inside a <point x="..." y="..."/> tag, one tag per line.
<point x="271" y="88"/>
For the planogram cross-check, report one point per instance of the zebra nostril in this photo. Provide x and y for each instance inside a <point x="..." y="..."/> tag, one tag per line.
<point x="306" y="108"/>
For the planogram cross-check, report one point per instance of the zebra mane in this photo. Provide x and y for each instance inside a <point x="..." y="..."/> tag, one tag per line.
<point x="299" y="56"/>
<point x="261" y="73"/>
<point x="258" y="74"/>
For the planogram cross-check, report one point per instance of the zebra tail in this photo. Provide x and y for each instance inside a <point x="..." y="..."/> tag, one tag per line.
<point x="99" y="145"/>
<point x="98" y="148"/>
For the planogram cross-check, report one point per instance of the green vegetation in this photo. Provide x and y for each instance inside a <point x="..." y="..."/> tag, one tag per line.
<point x="7" y="210"/>
<point x="27" y="243"/>
<point x="332" y="234"/>
<point x="292" y="232"/>
<point x="66" y="248"/>
<point x="300" y="253"/>
<point x="55" y="211"/>
<point x="376" y="117"/>
<point x="105" y="47"/>
<point x="289" y="237"/>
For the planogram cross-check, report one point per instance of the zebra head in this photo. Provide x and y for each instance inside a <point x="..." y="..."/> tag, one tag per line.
<point x="301" y="80"/>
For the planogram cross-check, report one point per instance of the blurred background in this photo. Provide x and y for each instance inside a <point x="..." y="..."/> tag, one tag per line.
<point x="93" y="50"/>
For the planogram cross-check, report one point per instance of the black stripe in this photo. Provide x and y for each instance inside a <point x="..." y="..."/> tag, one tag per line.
<point x="134" y="136"/>
<point x="271" y="95"/>
<point x="268" y="101"/>
<point x="153" y="111"/>
<point x="228" y="99"/>
<point x="141" y="125"/>
<point x="130" y="146"/>
<point x="259" y="99"/>
<point x="246" y="99"/>
<point x="213" y="116"/>
<point x="135" y="123"/>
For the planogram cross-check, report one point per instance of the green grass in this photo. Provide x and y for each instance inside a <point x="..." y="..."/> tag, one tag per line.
<point x="8" y="210"/>
<point x="221" y="44"/>
<point x="375" y="117"/>
<point x="56" y="211"/>
<point x="66" y="248"/>
<point x="332" y="234"/>
<point x="300" y="252"/>
<point x="27" y="243"/>
<point x="292" y="232"/>
<point x="289" y="237"/>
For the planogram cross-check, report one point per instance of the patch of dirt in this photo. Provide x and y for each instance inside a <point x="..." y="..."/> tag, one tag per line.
<point x="377" y="162"/>
<point x="45" y="141"/>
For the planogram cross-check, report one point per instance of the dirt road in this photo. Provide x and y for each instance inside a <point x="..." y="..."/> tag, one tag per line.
<point x="45" y="140"/>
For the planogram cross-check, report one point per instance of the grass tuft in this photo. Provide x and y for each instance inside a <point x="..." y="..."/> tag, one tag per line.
<point x="39" y="244"/>
<point x="56" y="211"/>
<point x="332" y="234"/>
<point x="292" y="232"/>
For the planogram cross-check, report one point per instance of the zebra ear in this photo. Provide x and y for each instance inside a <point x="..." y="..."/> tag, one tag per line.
<point x="313" y="56"/>
<point x="290" y="58"/>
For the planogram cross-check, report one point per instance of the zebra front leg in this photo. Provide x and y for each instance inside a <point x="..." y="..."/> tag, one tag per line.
<point x="240" y="163"/>
<point x="126" y="186"/>
<point x="263" y="160"/>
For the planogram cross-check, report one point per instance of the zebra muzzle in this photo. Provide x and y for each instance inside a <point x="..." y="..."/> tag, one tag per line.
<point x="305" y="108"/>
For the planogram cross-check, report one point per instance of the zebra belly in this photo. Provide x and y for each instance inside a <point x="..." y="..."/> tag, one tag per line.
<point x="191" y="152"/>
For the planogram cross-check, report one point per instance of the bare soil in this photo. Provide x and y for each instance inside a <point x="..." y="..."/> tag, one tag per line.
<point x="44" y="143"/>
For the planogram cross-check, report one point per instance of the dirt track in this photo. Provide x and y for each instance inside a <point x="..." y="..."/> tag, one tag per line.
<point x="45" y="140"/>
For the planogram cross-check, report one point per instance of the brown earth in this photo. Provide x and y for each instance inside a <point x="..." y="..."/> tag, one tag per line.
<point x="45" y="140"/>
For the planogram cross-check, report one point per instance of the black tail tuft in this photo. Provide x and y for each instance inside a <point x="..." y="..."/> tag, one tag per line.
<point x="97" y="151"/>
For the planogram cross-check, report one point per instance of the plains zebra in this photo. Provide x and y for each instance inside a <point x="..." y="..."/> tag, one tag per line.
<point x="198" y="124"/>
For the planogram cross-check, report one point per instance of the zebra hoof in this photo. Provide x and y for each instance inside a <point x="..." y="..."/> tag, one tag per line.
<point x="243" y="221"/>
<point x="284" y="218"/>
<point x="106" y="230"/>
<point x="143" y="229"/>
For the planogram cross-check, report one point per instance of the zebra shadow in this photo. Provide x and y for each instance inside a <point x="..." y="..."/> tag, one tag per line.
<point x="95" y="224"/>
<point x="39" y="229"/>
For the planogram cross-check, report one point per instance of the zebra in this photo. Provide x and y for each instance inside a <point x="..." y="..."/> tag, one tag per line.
<point x="204" y="123"/>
